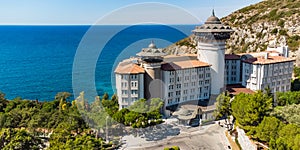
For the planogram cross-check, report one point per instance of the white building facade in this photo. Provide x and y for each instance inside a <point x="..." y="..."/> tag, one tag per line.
<point x="129" y="83"/>
<point x="274" y="72"/>
<point x="189" y="83"/>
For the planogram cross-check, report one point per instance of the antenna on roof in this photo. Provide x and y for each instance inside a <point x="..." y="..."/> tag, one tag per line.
<point x="213" y="11"/>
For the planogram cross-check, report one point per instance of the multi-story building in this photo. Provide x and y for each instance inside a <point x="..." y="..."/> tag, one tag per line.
<point x="233" y="69"/>
<point x="267" y="70"/>
<point x="180" y="79"/>
<point x="129" y="83"/>
<point x="185" y="79"/>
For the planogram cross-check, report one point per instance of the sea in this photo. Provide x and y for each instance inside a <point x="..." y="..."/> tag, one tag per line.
<point x="37" y="62"/>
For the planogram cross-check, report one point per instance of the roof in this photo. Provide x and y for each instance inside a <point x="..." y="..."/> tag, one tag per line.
<point x="129" y="68"/>
<point x="269" y="60"/>
<point x="232" y="57"/>
<point x="213" y="19"/>
<point x="178" y="65"/>
<point x="213" y="25"/>
<point x="237" y="89"/>
<point x="151" y="51"/>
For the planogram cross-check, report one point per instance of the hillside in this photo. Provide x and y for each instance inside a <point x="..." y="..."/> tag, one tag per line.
<point x="257" y="26"/>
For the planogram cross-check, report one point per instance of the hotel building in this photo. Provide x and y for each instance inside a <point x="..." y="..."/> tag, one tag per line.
<point x="181" y="79"/>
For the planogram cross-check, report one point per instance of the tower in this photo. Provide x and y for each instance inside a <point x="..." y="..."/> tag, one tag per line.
<point x="211" y="45"/>
<point x="151" y="62"/>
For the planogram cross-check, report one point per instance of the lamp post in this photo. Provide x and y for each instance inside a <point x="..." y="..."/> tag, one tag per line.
<point x="106" y="137"/>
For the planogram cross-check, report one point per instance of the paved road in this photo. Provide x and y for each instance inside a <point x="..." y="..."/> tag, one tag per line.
<point x="209" y="137"/>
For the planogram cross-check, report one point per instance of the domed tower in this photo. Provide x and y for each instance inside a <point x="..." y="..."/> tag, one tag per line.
<point x="151" y="61"/>
<point x="211" y="44"/>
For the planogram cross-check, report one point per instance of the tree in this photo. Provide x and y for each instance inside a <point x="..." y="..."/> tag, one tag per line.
<point x="105" y="96"/>
<point x="19" y="140"/>
<point x="250" y="109"/>
<point x="3" y="102"/>
<point x="287" y="98"/>
<point x="131" y="117"/>
<point x="288" y="134"/>
<point x="289" y="113"/>
<point x="223" y="108"/>
<point x="268" y="129"/>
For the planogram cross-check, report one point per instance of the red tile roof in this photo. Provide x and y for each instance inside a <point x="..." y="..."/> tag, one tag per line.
<point x="129" y="68"/>
<point x="237" y="88"/>
<point x="270" y="60"/>
<point x="183" y="65"/>
<point x="232" y="57"/>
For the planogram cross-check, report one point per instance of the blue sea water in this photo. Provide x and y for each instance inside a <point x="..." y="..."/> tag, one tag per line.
<point x="36" y="62"/>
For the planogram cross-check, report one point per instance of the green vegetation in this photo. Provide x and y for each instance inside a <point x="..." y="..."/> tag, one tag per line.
<point x="287" y="98"/>
<point x="274" y="31"/>
<point x="29" y="124"/>
<point x="223" y="108"/>
<point x="65" y="124"/>
<point x="186" y="42"/>
<point x="294" y="42"/>
<point x="19" y="140"/>
<point x="257" y="114"/>
<point x="172" y="148"/>
<point x="142" y="113"/>
<point x="289" y="113"/>
<point x="265" y="15"/>
<point x="255" y="107"/>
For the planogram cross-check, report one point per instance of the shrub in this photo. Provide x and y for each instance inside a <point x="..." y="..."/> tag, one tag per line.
<point x="282" y="32"/>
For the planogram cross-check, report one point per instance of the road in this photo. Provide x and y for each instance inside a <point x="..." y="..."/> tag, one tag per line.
<point x="208" y="137"/>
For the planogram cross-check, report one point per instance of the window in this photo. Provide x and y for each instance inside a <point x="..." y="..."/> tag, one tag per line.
<point x="124" y="92"/>
<point x="124" y="100"/>
<point x="124" y="84"/>
<point x="186" y="78"/>
<point x="185" y="98"/>
<point x="192" y="91"/>
<point x="171" y="87"/>
<point x="134" y="84"/>
<point x="178" y="93"/>
<point x="185" y="91"/>
<point x="192" y="97"/>
<point x="200" y="82"/>
<point x="207" y="74"/>
<point x="193" y="83"/>
<point x="178" y="86"/>
<point x="172" y="73"/>
<point x="201" y="76"/>
<point x="186" y="84"/>
<point x="123" y="76"/>
<point x="206" y="81"/>
<point x="171" y="80"/>
<point x="170" y="101"/>
<point x="133" y="76"/>
<point x="170" y="94"/>
<point x="134" y="92"/>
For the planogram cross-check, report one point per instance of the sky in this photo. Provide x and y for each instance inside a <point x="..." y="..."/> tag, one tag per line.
<point x="59" y="12"/>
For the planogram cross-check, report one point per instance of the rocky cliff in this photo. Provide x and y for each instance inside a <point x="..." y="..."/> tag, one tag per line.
<point x="270" y="22"/>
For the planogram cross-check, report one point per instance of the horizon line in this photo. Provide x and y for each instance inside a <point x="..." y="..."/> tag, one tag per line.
<point x="92" y="24"/>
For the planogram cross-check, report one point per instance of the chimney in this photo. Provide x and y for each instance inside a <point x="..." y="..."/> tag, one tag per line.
<point x="266" y="55"/>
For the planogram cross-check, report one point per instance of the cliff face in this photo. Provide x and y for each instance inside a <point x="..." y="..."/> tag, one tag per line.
<point x="266" y="23"/>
